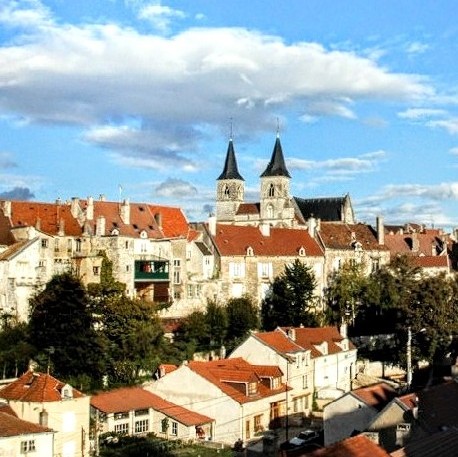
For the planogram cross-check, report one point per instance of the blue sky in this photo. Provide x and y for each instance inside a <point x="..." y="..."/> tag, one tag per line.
<point x="134" y="99"/>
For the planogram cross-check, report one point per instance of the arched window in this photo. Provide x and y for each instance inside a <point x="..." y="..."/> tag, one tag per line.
<point x="226" y="191"/>
<point x="270" y="211"/>
<point x="271" y="190"/>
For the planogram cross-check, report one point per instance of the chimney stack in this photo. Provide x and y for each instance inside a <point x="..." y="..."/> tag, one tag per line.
<point x="90" y="209"/>
<point x="380" y="231"/>
<point x="124" y="211"/>
<point x="100" y="226"/>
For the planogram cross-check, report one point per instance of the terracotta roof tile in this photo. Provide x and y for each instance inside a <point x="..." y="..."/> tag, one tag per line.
<point x="13" y="426"/>
<point x="409" y="400"/>
<point x="127" y="399"/>
<point x="47" y="217"/>
<point x="229" y="374"/>
<point x="35" y="387"/>
<point x="437" y="261"/>
<point x="342" y="236"/>
<point x="248" y="208"/>
<point x="377" y="395"/>
<point x="279" y="341"/>
<point x="356" y="446"/>
<point x="14" y="249"/>
<point x="234" y="240"/>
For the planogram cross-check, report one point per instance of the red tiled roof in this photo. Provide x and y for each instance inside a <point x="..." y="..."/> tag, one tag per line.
<point x="377" y="395"/>
<point x="423" y="242"/>
<point x="35" y="387"/>
<point x="13" y="426"/>
<point x="127" y="399"/>
<point x="234" y="240"/>
<point x="342" y="236"/>
<point x="6" y="408"/>
<point x="279" y="341"/>
<point x="174" y="222"/>
<point x="226" y="373"/>
<point x="14" y="249"/>
<point x="356" y="446"/>
<point x="436" y="261"/>
<point x="248" y="208"/>
<point x="409" y="400"/>
<point x="310" y="337"/>
<point x="47" y="217"/>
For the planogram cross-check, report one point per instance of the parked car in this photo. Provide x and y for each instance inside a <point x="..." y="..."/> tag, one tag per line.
<point x="302" y="439"/>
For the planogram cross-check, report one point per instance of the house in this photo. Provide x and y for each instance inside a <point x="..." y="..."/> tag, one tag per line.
<point x="429" y="248"/>
<point x="356" y="446"/>
<point x="316" y="362"/>
<point x="242" y="398"/>
<point x="279" y="348"/>
<point x="42" y="399"/>
<point x="248" y="258"/>
<point x="19" y="437"/>
<point x="354" y="411"/>
<point x="391" y="427"/>
<point x="135" y="411"/>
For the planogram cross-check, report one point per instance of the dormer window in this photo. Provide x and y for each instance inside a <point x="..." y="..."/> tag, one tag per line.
<point x="143" y="234"/>
<point x="115" y="232"/>
<point x="252" y="388"/>
<point x="302" y="251"/>
<point x="67" y="392"/>
<point x="249" y="251"/>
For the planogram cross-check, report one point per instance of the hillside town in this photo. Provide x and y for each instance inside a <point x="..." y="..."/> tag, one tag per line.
<point x="283" y="389"/>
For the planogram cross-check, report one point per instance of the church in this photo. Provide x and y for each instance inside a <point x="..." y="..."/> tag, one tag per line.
<point x="276" y="208"/>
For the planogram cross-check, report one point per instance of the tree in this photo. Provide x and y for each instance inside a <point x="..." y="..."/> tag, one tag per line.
<point x="62" y="329"/>
<point x="15" y="349"/>
<point x="242" y="316"/>
<point x="344" y="293"/>
<point x="216" y="319"/>
<point x="290" y="300"/>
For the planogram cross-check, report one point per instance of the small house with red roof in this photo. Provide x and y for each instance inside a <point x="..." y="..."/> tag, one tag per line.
<point x="136" y="411"/>
<point x="242" y="398"/>
<point x="314" y="361"/>
<point x="42" y="399"/>
<point x="354" y="411"/>
<point x="19" y="437"/>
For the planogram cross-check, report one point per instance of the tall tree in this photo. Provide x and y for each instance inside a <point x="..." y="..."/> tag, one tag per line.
<point x="62" y="329"/>
<point x="242" y="316"/>
<point x="290" y="300"/>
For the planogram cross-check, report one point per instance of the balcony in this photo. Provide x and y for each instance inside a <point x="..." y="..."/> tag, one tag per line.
<point x="151" y="270"/>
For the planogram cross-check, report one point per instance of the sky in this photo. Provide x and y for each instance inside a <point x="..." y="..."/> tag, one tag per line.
<point x="138" y="99"/>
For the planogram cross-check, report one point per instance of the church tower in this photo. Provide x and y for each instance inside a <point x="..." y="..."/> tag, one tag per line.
<point x="276" y="209"/>
<point x="230" y="188"/>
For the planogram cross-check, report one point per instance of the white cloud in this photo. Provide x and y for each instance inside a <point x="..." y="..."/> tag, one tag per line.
<point x="6" y="160"/>
<point x="421" y="113"/>
<point x="451" y="125"/>
<point x="101" y="74"/>
<point x="176" y="188"/>
<point x="417" y="48"/>
<point x="160" y="16"/>
<point x="454" y="151"/>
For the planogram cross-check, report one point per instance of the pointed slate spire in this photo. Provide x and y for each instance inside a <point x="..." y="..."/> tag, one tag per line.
<point x="230" y="166"/>
<point x="276" y="166"/>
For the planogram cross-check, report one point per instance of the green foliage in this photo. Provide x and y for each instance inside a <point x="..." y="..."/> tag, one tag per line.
<point x="61" y="327"/>
<point x="290" y="301"/>
<point x="216" y="319"/>
<point x="15" y="349"/>
<point x="242" y="316"/>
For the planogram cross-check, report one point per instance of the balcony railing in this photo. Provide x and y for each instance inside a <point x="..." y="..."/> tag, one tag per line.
<point x="151" y="270"/>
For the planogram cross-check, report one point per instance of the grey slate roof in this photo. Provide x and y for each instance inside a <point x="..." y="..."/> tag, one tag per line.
<point x="326" y="209"/>
<point x="230" y="170"/>
<point x="276" y="166"/>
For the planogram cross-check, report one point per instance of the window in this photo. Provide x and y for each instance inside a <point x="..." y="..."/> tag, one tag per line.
<point x="252" y="388"/>
<point x="141" y="412"/>
<point x="258" y="423"/>
<point x="271" y="190"/>
<point x="142" y="426"/>
<point x="236" y="270"/>
<point x="44" y="243"/>
<point x="174" y="428"/>
<point x="190" y="291"/>
<point x="96" y="271"/>
<point x="375" y="266"/>
<point x="270" y="211"/>
<point x="122" y="428"/>
<point x="27" y="446"/>
<point x="198" y="290"/>
<point x="305" y="382"/>
<point x="127" y="268"/>
<point x="42" y="263"/>
<point x="127" y="245"/>
<point x="237" y="290"/>
<point x="176" y="263"/>
<point x="78" y="246"/>
<point x="265" y="269"/>
<point x="176" y="294"/>
<point x="119" y="416"/>
<point x="176" y="277"/>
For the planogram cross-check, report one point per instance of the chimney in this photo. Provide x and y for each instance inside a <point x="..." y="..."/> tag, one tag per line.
<point x="90" y="209"/>
<point x="7" y="208"/>
<point x="212" y="224"/>
<point x="312" y="226"/>
<point x="380" y="230"/>
<point x="343" y="330"/>
<point x="265" y="229"/>
<point x="102" y="198"/>
<point x="38" y="224"/>
<point x="124" y="211"/>
<point x="58" y="201"/>
<point x="100" y="226"/>
<point x="61" y="230"/>
<point x="158" y="220"/>
<point x="415" y="242"/>
<point x="291" y="332"/>
<point x="43" y="418"/>
<point x="74" y="207"/>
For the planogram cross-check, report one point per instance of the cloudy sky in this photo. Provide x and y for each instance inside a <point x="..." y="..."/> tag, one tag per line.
<point x="137" y="99"/>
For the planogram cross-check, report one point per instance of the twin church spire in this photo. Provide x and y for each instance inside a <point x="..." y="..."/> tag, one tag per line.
<point x="274" y="207"/>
